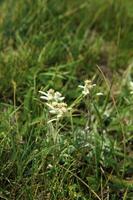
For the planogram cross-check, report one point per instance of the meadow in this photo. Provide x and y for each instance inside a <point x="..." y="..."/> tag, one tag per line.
<point x="66" y="100"/>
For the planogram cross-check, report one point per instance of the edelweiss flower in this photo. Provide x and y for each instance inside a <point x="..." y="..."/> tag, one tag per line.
<point x="87" y="87"/>
<point x="51" y="95"/>
<point x="58" y="109"/>
<point x="54" y="103"/>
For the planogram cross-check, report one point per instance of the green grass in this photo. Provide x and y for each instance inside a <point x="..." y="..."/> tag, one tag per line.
<point x="59" y="44"/>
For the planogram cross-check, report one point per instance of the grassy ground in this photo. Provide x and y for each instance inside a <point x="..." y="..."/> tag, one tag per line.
<point x="59" y="44"/>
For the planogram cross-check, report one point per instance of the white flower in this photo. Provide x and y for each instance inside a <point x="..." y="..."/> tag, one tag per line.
<point x="87" y="87"/>
<point x="57" y="108"/>
<point x="51" y="95"/>
<point x="54" y="103"/>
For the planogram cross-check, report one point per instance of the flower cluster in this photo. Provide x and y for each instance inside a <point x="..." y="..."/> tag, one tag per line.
<point x="55" y="102"/>
<point x="58" y="109"/>
<point x="88" y="85"/>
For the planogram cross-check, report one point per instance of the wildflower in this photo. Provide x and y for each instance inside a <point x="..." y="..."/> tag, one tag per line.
<point x="51" y="95"/>
<point x="87" y="87"/>
<point x="57" y="108"/>
<point x="54" y="103"/>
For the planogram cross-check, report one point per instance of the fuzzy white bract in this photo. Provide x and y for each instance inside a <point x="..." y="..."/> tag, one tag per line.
<point x="99" y="94"/>
<point x="86" y="88"/>
<point x="51" y="95"/>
